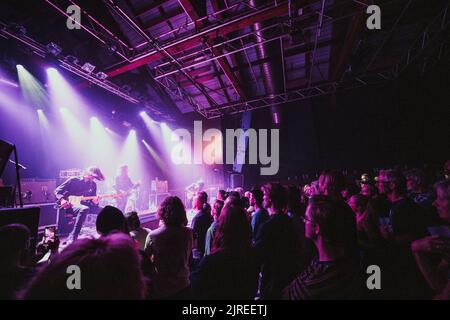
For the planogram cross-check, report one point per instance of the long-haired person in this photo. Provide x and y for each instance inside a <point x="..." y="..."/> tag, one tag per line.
<point x="231" y="271"/>
<point x="331" y="183"/>
<point x="170" y="247"/>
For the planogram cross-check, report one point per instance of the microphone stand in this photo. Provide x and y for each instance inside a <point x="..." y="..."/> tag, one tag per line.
<point x="18" y="167"/>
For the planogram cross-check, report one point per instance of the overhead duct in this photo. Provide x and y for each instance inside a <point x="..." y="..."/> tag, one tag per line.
<point x="272" y="68"/>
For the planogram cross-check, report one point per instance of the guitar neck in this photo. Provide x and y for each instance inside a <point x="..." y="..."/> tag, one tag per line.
<point x="99" y="197"/>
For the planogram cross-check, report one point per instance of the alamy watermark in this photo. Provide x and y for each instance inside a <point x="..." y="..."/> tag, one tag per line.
<point x="373" y="22"/>
<point x="73" y="281"/>
<point x="74" y="19"/>
<point x="192" y="151"/>
<point x="373" y="281"/>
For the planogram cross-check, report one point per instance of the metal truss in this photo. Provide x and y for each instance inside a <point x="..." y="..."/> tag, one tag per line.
<point x="433" y="39"/>
<point x="431" y="45"/>
<point x="191" y="25"/>
<point x="105" y="84"/>
<point x="277" y="31"/>
<point x="174" y="89"/>
<point x="173" y="64"/>
<point x="105" y="36"/>
<point x="66" y="63"/>
<point x="303" y="93"/>
<point x="165" y="53"/>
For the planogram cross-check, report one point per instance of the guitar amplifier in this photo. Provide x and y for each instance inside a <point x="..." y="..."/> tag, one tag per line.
<point x="69" y="173"/>
<point x="159" y="186"/>
<point x="38" y="191"/>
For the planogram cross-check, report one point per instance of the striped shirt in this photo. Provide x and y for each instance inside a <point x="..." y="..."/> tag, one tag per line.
<point x="340" y="279"/>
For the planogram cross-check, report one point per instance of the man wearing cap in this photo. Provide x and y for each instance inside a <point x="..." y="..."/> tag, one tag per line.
<point x="80" y="186"/>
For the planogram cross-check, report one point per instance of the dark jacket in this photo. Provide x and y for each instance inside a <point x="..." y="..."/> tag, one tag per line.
<point x="226" y="274"/>
<point x="278" y="253"/>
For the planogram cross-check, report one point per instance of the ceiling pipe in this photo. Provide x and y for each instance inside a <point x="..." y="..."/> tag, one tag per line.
<point x="234" y="24"/>
<point x="271" y="70"/>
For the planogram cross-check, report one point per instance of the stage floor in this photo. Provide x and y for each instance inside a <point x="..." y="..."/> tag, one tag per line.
<point x="148" y="219"/>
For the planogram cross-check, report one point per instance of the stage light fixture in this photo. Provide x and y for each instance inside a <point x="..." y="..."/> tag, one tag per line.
<point x="101" y="75"/>
<point x="51" y="70"/>
<point x="54" y="49"/>
<point x="142" y="113"/>
<point x="88" y="67"/>
<point x="40" y="111"/>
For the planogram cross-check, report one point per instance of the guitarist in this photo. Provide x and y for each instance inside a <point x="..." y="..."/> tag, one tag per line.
<point x="123" y="185"/>
<point x="80" y="186"/>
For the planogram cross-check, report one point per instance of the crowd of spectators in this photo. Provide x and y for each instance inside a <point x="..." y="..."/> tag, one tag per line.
<point x="275" y="241"/>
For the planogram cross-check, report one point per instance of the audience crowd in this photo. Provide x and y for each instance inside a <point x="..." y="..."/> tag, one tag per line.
<point x="276" y="241"/>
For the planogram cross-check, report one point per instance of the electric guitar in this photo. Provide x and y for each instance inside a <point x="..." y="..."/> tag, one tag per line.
<point x="76" y="200"/>
<point x="125" y="193"/>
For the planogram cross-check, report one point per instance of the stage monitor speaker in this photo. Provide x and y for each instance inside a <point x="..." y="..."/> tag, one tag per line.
<point x="25" y="216"/>
<point x="47" y="215"/>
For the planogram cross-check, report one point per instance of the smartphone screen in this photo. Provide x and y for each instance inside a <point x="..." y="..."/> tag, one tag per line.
<point x="49" y="234"/>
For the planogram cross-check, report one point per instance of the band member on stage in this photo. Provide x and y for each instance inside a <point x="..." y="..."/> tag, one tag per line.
<point x="123" y="185"/>
<point x="80" y="186"/>
<point x="192" y="190"/>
